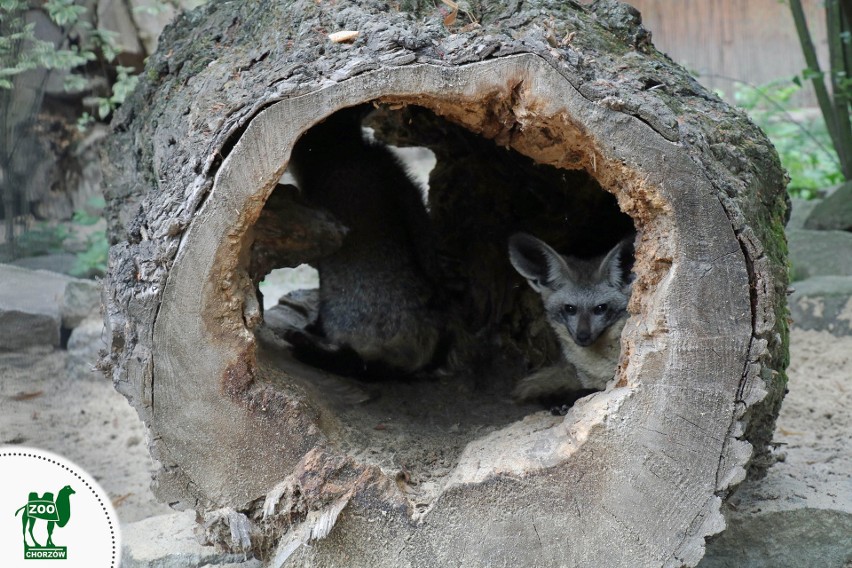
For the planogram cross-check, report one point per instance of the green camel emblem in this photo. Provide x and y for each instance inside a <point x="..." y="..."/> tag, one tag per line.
<point x="53" y="512"/>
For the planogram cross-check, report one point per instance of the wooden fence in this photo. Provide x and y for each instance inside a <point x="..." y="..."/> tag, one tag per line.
<point x="731" y="41"/>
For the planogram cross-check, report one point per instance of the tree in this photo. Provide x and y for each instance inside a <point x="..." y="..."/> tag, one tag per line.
<point x="42" y="50"/>
<point x="836" y="211"/>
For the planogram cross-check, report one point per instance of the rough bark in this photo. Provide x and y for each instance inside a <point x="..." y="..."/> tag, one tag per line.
<point x="633" y="476"/>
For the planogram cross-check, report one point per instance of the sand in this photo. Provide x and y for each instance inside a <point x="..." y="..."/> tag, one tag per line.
<point x="89" y="423"/>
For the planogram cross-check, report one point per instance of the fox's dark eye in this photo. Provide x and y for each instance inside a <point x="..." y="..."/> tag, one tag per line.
<point x="570" y="309"/>
<point x="600" y="309"/>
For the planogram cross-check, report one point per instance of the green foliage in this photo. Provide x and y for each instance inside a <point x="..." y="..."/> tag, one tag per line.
<point x="81" y="236"/>
<point x="21" y="50"/>
<point x="123" y="86"/>
<point x="44" y="238"/>
<point x="92" y="213"/>
<point x="92" y="259"/>
<point x="107" y="42"/>
<point x="803" y="142"/>
<point x="835" y="104"/>
<point x="64" y="12"/>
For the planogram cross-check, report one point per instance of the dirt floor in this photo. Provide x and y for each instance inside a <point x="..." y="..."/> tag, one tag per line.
<point x="89" y="423"/>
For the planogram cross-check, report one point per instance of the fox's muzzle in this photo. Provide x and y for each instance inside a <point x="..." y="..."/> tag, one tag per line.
<point x="583" y="334"/>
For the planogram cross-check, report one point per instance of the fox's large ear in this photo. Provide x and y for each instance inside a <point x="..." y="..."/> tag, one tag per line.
<point x="535" y="260"/>
<point x="617" y="265"/>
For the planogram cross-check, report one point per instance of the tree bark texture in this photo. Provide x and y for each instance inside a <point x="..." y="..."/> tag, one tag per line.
<point x="633" y="476"/>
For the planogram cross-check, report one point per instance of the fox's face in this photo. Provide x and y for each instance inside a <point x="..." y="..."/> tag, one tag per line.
<point x="582" y="298"/>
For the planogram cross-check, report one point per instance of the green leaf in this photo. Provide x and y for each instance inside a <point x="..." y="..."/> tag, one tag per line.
<point x="104" y="108"/>
<point x="123" y="87"/>
<point x="64" y="12"/>
<point x="12" y="5"/>
<point x="107" y="42"/>
<point x="85" y="121"/>
<point x="74" y="83"/>
<point x="810" y="74"/>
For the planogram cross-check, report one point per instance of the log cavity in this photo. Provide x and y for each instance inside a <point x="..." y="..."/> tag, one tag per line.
<point x="416" y="425"/>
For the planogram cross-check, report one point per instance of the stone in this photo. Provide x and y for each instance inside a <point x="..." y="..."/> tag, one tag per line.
<point x="89" y="185"/>
<point x="117" y="18"/>
<point x="82" y="299"/>
<point x="834" y="213"/>
<point x="29" y="308"/>
<point x="151" y="16"/>
<point x="62" y="263"/>
<point x="800" y="209"/>
<point x="804" y="537"/>
<point x="819" y="253"/>
<point x="168" y="541"/>
<point x="246" y="564"/>
<point x="84" y="346"/>
<point x="823" y="303"/>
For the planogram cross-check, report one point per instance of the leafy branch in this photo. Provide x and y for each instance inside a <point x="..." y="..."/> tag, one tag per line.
<point x="26" y="64"/>
<point x="21" y="50"/>
<point x="834" y="105"/>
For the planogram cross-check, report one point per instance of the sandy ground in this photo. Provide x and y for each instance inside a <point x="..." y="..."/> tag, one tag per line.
<point x="813" y="431"/>
<point x="86" y="421"/>
<point x="89" y="423"/>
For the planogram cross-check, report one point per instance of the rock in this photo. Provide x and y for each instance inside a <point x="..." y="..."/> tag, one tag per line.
<point x="82" y="299"/>
<point x="62" y="263"/>
<point x="294" y="311"/>
<point x="151" y="16"/>
<point x="52" y="81"/>
<point x="823" y="303"/>
<point x="246" y="564"/>
<point x="800" y="209"/>
<point x="116" y="17"/>
<point x="29" y="308"/>
<point x="84" y="346"/>
<point x="168" y="541"/>
<point x="805" y="537"/>
<point x="834" y="213"/>
<point x="819" y="253"/>
<point x="89" y="185"/>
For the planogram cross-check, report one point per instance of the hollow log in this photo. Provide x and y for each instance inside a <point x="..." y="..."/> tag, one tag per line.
<point x="547" y="117"/>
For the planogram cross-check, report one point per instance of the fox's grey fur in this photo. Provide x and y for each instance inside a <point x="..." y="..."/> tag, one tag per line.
<point x="585" y="302"/>
<point x="375" y="294"/>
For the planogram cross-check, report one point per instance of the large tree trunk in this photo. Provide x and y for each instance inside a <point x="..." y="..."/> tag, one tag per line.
<point x="447" y="471"/>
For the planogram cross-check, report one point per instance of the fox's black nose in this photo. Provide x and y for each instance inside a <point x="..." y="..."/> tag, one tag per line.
<point x="584" y="338"/>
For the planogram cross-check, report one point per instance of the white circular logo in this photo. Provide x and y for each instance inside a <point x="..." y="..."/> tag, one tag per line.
<point x="50" y="509"/>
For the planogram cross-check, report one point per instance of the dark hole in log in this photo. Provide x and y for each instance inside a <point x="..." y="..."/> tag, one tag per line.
<point x="478" y="195"/>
